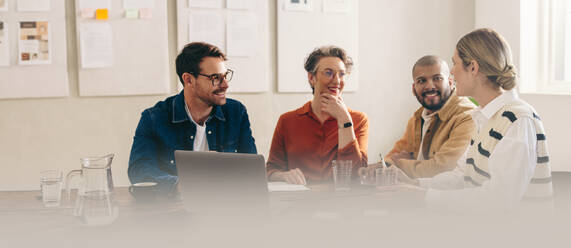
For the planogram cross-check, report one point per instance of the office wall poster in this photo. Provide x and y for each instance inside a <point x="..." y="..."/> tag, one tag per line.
<point x="298" y="5"/>
<point x="3" y="5"/>
<point x="34" y="43"/>
<point x="4" y="52"/>
<point x="33" y="5"/>
<point x="209" y="4"/>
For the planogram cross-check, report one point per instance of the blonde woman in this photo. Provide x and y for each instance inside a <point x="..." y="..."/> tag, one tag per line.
<point x="507" y="160"/>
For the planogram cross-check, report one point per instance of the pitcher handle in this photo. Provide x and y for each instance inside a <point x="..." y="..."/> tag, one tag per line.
<point x="68" y="178"/>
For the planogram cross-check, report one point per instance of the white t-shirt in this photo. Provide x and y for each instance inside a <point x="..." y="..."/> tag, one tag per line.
<point x="427" y="118"/>
<point x="200" y="140"/>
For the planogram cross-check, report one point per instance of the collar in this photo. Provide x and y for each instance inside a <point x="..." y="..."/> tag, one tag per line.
<point x="492" y="107"/>
<point x="179" y="113"/>
<point x="425" y="115"/>
<point x="305" y="109"/>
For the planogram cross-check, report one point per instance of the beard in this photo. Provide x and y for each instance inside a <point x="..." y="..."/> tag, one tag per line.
<point x="435" y="105"/>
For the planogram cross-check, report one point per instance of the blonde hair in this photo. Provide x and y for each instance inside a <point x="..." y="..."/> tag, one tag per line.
<point x="493" y="54"/>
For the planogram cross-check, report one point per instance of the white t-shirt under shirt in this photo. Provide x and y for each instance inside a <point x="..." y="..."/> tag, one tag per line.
<point x="200" y="140"/>
<point x="427" y="118"/>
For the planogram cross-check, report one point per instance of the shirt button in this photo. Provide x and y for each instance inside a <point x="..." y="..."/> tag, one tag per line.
<point x="209" y="132"/>
<point x="172" y="161"/>
<point x="191" y="137"/>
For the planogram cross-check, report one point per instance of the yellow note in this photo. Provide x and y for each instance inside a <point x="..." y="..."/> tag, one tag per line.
<point x="101" y="14"/>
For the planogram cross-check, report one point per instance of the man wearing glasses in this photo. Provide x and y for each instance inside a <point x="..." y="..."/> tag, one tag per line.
<point x="308" y="139"/>
<point x="199" y="118"/>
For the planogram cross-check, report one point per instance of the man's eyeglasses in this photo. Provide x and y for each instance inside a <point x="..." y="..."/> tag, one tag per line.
<point x="216" y="78"/>
<point x="330" y="74"/>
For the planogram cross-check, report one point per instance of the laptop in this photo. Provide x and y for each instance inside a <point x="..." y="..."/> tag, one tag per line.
<point x="222" y="183"/>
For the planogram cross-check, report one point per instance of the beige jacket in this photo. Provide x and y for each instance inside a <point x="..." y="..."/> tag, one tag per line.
<point x="445" y="141"/>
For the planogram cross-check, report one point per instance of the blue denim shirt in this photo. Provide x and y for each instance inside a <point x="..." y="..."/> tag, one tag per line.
<point x="166" y="127"/>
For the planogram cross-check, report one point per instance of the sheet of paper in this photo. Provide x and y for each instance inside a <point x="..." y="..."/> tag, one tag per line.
<point x="87" y="13"/>
<point x="95" y="4"/>
<point x="146" y="13"/>
<point x="138" y="4"/>
<point x="241" y="34"/>
<point x="131" y="13"/>
<point x="4" y="47"/>
<point x="212" y="4"/>
<point x="33" y="5"/>
<point x="285" y="187"/>
<point x="3" y="5"/>
<point x="298" y="5"/>
<point x="241" y="4"/>
<point x="336" y="6"/>
<point x="207" y="26"/>
<point x="34" y="43"/>
<point x="96" y="44"/>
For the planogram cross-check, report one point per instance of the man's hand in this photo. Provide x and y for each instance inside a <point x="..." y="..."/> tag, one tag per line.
<point x="401" y="155"/>
<point x="293" y="176"/>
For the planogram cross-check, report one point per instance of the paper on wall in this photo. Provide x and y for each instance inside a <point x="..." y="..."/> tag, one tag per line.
<point x="33" y="5"/>
<point x="3" y="5"/>
<point x="241" y="34"/>
<point x="4" y="48"/>
<point x="96" y="45"/>
<point x="298" y="5"/>
<point x="34" y="43"/>
<point x="207" y="26"/>
<point x="95" y="4"/>
<point x="241" y="4"/>
<point x="138" y="4"/>
<point x="336" y="6"/>
<point x="212" y="4"/>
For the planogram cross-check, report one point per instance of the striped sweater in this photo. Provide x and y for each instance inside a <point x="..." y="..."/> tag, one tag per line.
<point x="477" y="169"/>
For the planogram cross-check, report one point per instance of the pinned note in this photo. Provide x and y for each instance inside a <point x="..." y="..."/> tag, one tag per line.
<point x="145" y="13"/>
<point x="87" y="13"/>
<point x="132" y="13"/>
<point x="102" y="14"/>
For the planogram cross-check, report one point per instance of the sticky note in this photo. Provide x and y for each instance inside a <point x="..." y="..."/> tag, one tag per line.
<point x="102" y="14"/>
<point x="87" y="13"/>
<point x="132" y="13"/>
<point x="145" y="13"/>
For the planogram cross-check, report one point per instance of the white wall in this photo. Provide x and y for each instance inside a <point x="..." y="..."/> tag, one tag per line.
<point x="503" y="16"/>
<point x="39" y="134"/>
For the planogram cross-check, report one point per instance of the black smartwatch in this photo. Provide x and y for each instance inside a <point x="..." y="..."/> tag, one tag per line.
<point x="346" y="125"/>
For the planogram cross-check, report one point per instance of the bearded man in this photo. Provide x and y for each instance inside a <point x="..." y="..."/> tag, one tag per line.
<point x="437" y="135"/>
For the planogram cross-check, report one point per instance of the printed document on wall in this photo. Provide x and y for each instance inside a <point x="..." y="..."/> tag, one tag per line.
<point x="241" y="34"/>
<point x="94" y="4"/>
<point x="298" y="5"/>
<point x="241" y="4"/>
<point x="207" y="26"/>
<point x="4" y="51"/>
<point x="33" y="5"/>
<point x="3" y="5"/>
<point x="96" y="44"/>
<point x="336" y="6"/>
<point x="138" y="4"/>
<point x="211" y="4"/>
<point x="34" y="46"/>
